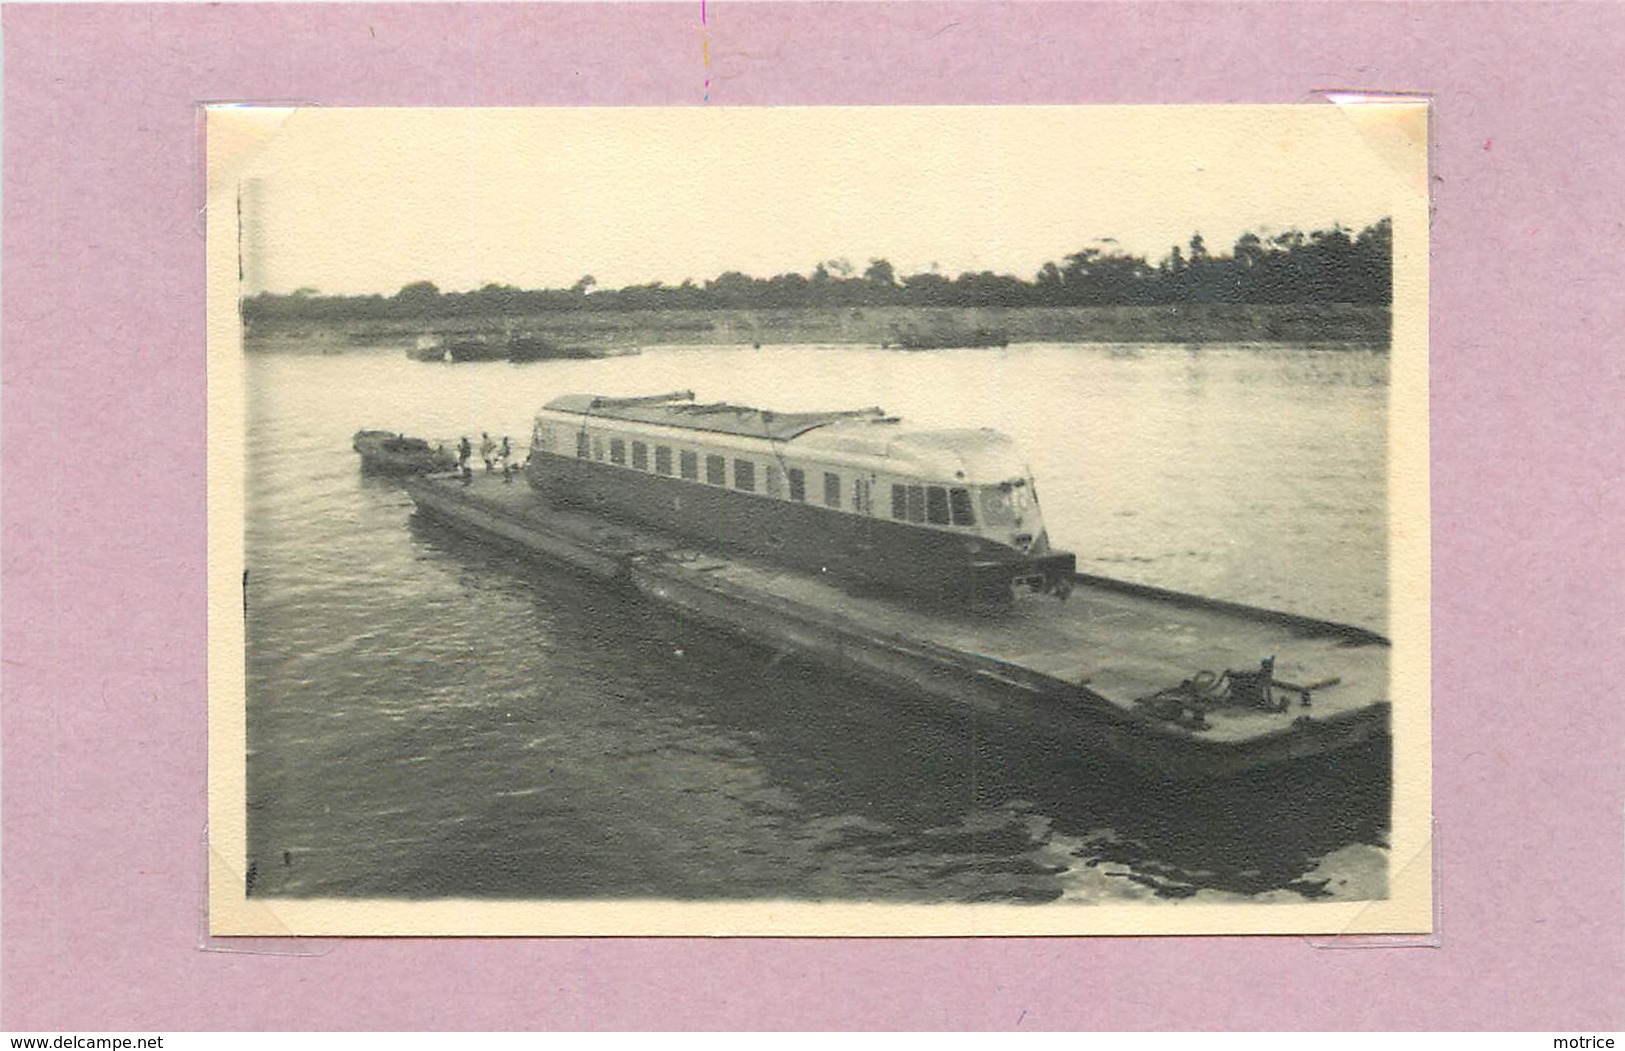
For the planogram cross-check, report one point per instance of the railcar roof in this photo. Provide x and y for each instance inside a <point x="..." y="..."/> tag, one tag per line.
<point x="718" y="417"/>
<point x="978" y="455"/>
<point x="975" y="456"/>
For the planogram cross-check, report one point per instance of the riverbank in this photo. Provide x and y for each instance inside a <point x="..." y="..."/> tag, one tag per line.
<point x="1175" y="323"/>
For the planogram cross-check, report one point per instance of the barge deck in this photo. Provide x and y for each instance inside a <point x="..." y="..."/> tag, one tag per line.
<point x="1076" y="673"/>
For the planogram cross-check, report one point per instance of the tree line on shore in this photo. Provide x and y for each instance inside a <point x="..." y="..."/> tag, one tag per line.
<point x="1294" y="267"/>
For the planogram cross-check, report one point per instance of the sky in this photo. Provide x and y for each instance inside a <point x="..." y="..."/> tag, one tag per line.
<point x="352" y="201"/>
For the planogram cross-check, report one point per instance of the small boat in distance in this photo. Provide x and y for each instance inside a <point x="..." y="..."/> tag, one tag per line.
<point x="946" y="515"/>
<point x="948" y="339"/>
<point x="458" y="348"/>
<point x="389" y="453"/>
<point x="538" y="348"/>
<point x="489" y="346"/>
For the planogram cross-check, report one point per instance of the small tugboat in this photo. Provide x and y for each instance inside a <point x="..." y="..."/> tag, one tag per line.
<point x="389" y="453"/>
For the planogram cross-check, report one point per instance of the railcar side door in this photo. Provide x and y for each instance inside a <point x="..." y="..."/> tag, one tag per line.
<point x="863" y="501"/>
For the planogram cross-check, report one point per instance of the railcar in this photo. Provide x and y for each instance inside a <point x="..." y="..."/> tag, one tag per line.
<point x="947" y="515"/>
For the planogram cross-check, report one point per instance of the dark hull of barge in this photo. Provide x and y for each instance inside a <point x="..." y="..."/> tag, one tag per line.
<point x="1064" y="673"/>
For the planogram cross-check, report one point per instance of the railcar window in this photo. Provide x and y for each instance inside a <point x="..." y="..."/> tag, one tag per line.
<point x="690" y="464"/>
<point x="775" y="481"/>
<point x="640" y="456"/>
<point x="899" y="502"/>
<point x="997" y="508"/>
<point x="916" y="503"/>
<point x="716" y="470"/>
<point x="663" y="459"/>
<point x="959" y="503"/>
<point x="583" y="445"/>
<point x="798" y="485"/>
<point x="745" y="475"/>
<point x="936" y="505"/>
<point x="860" y="495"/>
<point x="617" y="450"/>
<point x="832" y="490"/>
<point x="597" y="447"/>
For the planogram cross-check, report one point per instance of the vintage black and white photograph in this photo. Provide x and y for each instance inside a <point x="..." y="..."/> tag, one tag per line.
<point x="850" y="521"/>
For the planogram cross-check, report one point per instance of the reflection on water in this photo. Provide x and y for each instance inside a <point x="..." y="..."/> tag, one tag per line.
<point x="430" y="717"/>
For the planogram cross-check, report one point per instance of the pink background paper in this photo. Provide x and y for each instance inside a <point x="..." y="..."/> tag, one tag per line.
<point x="103" y="416"/>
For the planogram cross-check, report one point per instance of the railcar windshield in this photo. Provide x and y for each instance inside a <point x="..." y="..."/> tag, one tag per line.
<point x="1008" y="503"/>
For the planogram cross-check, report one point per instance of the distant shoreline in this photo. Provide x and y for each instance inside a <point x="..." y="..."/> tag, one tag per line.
<point x="1172" y="323"/>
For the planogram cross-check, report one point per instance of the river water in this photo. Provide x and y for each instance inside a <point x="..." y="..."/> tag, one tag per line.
<point x="428" y="717"/>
